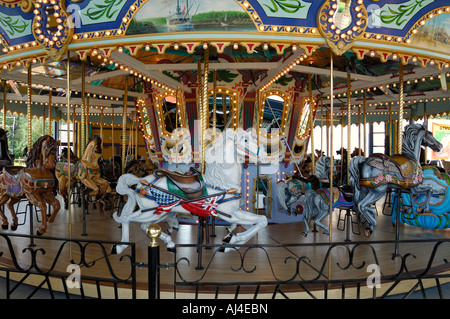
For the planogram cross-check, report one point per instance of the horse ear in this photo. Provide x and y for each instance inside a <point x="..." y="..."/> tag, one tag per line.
<point x="58" y="142"/>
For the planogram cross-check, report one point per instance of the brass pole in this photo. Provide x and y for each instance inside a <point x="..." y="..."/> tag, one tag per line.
<point x="311" y="126"/>
<point x="124" y="124"/>
<point x="83" y="107"/>
<point x="69" y="192"/>
<point x="359" y="130"/>
<point x="425" y="121"/>
<point x="29" y="108"/>
<point x="330" y="218"/>
<point x="50" y="111"/>
<point x="391" y="140"/>
<point x="113" y="152"/>
<point x="101" y="124"/>
<point x="349" y="123"/>
<point x="321" y="124"/>
<point x="365" y="123"/>
<point x="43" y="120"/>
<point x="205" y="106"/>
<point x="214" y="103"/>
<point x="200" y="101"/>
<point x="4" y="105"/>
<point x="73" y="133"/>
<point x="400" y="108"/>
<point x="87" y="120"/>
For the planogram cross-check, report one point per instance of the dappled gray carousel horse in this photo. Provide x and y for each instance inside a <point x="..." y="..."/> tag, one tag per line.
<point x="290" y="190"/>
<point x="371" y="177"/>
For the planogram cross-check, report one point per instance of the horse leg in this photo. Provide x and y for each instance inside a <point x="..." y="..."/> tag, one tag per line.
<point x="423" y="189"/>
<point x="256" y="223"/>
<point x="5" y="223"/>
<point x="54" y="202"/>
<point x="173" y="224"/>
<point x="324" y="211"/>
<point x="369" y="213"/>
<point x="62" y="185"/>
<point x="91" y="185"/>
<point x="10" y="205"/>
<point x="37" y="200"/>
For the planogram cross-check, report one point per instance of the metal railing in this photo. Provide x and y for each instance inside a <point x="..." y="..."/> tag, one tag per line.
<point x="75" y="268"/>
<point x="65" y="268"/>
<point x="356" y="270"/>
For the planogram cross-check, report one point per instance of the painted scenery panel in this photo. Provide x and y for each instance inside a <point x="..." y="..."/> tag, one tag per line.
<point x="163" y="16"/>
<point x="434" y="34"/>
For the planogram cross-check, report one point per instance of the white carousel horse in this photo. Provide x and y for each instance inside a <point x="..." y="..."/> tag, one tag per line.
<point x="223" y="173"/>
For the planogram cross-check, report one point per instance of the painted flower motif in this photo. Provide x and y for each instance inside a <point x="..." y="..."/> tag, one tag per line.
<point x="389" y="178"/>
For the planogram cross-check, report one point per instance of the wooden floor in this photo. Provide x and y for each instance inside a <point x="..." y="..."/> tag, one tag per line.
<point x="220" y="267"/>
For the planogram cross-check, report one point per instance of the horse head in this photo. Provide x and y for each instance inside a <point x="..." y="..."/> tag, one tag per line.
<point x="93" y="150"/>
<point x="431" y="142"/>
<point x="43" y="153"/>
<point x="416" y="135"/>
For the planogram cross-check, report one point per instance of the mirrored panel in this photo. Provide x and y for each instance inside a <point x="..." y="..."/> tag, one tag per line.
<point x="225" y="102"/>
<point x="273" y="112"/>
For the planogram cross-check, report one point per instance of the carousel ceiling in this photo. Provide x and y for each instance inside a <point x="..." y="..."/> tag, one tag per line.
<point x="262" y="45"/>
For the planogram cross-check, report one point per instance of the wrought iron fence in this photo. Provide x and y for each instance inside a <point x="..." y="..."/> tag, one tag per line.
<point x="72" y="268"/>
<point x="75" y="268"/>
<point x="356" y="270"/>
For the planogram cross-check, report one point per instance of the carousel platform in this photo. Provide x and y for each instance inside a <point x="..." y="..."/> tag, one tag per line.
<point x="285" y="254"/>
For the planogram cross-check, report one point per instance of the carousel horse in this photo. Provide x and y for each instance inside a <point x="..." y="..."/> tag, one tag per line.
<point x="370" y="177"/>
<point x="86" y="170"/>
<point x="34" y="182"/>
<point x="317" y="205"/>
<point x="214" y="193"/>
<point x="138" y="167"/>
<point x="290" y="190"/>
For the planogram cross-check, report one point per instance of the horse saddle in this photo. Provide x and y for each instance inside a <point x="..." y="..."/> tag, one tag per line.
<point x="190" y="184"/>
<point x="11" y="175"/>
<point x="347" y="192"/>
<point x="398" y="164"/>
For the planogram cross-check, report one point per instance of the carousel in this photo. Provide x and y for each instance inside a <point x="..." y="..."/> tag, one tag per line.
<point x="231" y="124"/>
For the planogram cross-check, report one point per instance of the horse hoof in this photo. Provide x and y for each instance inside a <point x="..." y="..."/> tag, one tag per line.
<point x="367" y="232"/>
<point x="14" y="227"/>
<point x="171" y="250"/>
<point x="227" y="239"/>
<point x="305" y="234"/>
<point x="4" y="227"/>
<point x="39" y="233"/>
<point x="114" y="250"/>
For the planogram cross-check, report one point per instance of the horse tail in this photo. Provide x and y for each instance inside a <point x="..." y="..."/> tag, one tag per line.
<point x="355" y="175"/>
<point x="281" y="189"/>
<point x="123" y="188"/>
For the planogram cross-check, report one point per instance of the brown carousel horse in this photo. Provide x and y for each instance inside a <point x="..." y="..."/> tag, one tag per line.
<point x="34" y="182"/>
<point x="86" y="170"/>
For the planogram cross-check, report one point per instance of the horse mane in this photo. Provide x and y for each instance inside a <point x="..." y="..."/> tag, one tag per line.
<point x="216" y="164"/>
<point x="410" y="136"/>
<point x="35" y="153"/>
<point x="321" y="167"/>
